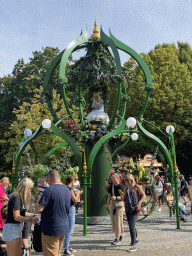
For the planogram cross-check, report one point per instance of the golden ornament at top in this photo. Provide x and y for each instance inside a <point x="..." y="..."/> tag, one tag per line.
<point x="96" y="35"/>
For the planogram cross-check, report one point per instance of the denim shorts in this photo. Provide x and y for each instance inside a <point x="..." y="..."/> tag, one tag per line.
<point x="12" y="231"/>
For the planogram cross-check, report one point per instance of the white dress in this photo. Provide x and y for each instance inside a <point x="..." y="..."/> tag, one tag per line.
<point x="98" y="114"/>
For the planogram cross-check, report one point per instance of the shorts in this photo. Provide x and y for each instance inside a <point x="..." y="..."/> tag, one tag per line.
<point x="52" y="245"/>
<point x="12" y="231"/>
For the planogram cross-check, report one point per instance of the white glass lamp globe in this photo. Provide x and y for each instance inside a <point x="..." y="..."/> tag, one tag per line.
<point x="170" y="127"/>
<point x="46" y="123"/>
<point x="134" y="136"/>
<point x="131" y="122"/>
<point x="28" y="132"/>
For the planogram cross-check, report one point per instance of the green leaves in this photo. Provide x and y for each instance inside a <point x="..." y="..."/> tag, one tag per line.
<point x="171" y="101"/>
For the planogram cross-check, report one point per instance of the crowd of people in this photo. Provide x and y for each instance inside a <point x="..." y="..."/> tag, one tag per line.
<point x="165" y="190"/>
<point x="133" y="196"/>
<point x="55" y="210"/>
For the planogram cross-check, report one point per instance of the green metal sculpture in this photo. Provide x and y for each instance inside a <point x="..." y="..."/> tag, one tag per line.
<point x="98" y="157"/>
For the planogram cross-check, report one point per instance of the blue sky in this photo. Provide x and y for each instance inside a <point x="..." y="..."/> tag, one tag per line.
<point x="29" y="25"/>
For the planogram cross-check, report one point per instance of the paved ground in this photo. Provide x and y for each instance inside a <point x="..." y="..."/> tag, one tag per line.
<point x="157" y="236"/>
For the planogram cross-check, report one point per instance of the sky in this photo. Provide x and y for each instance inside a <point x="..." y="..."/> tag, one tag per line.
<point x="28" y="25"/>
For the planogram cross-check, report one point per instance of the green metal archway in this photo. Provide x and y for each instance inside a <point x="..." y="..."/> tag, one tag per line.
<point x="145" y="137"/>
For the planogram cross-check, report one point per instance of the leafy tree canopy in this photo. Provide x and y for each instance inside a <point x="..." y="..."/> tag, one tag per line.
<point x="171" y="100"/>
<point x="30" y="116"/>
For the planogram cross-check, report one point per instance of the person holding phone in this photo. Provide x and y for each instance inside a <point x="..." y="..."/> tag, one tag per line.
<point x="17" y="213"/>
<point x="70" y="181"/>
<point x="115" y="205"/>
<point x="133" y="197"/>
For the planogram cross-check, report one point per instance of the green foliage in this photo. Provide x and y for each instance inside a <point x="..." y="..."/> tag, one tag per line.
<point x="18" y="88"/>
<point x="30" y="116"/>
<point x="171" y="100"/>
<point x="23" y="106"/>
<point x="95" y="70"/>
<point x="38" y="171"/>
<point x="95" y="73"/>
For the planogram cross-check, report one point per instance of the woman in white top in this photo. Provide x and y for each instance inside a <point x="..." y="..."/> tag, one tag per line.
<point x="159" y="190"/>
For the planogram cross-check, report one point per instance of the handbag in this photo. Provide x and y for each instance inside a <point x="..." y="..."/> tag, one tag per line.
<point x="36" y="239"/>
<point x="117" y="203"/>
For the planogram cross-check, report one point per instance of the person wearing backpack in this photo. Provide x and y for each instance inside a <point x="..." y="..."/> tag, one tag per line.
<point x="183" y="189"/>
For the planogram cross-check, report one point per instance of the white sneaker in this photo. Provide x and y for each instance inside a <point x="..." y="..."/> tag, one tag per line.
<point x="144" y="208"/>
<point x="72" y="250"/>
<point x="67" y="252"/>
<point x="132" y="249"/>
<point x="159" y="210"/>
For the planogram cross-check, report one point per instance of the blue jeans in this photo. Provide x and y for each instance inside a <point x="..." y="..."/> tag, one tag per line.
<point x="181" y="210"/>
<point x="72" y="212"/>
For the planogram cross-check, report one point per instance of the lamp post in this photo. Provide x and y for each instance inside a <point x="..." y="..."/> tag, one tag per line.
<point x="170" y="130"/>
<point x="46" y="123"/>
<point x="131" y="122"/>
<point x="85" y="184"/>
<point x="27" y="132"/>
<point x="85" y="195"/>
<point x="134" y="136"/>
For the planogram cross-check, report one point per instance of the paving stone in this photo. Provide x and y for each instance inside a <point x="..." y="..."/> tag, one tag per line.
<point x="157" y="234"/>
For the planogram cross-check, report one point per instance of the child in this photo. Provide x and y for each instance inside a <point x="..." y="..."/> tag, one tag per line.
<point x="170" y="198"/>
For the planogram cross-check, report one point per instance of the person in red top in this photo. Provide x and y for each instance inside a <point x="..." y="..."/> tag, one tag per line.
<point x="3" y="198"/>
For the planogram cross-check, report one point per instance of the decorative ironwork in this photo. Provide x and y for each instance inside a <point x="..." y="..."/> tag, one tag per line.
<point x="145" y="137"/>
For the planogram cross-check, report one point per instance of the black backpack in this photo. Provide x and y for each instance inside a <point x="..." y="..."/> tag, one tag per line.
<point x="36" y="239"/>
<point x="3" y="251"/>
<point x="186" y="186"/>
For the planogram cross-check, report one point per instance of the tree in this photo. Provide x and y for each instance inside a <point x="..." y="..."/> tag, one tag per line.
<point x="30" y="115"/>
<point x="20" y="87"/>
<point x="171" y="100"/>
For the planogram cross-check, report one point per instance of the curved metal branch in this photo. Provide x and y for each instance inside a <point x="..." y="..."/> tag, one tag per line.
<point x="99" y="143"/>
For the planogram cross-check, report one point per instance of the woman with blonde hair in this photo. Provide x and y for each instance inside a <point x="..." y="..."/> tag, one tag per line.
<point x="3" y="198"/>
<point x="18" y="205"/>
<point x="133" y="197"/>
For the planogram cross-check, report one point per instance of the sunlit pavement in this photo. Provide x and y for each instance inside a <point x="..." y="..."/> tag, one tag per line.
<point x="158" y="235"/>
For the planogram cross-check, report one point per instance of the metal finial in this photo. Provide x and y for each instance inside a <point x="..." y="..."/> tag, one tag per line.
<point x="96" y="35"/>
<point x="85" y="163"/>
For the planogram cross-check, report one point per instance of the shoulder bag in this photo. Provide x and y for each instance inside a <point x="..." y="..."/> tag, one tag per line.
<point x="36" y="239"/>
